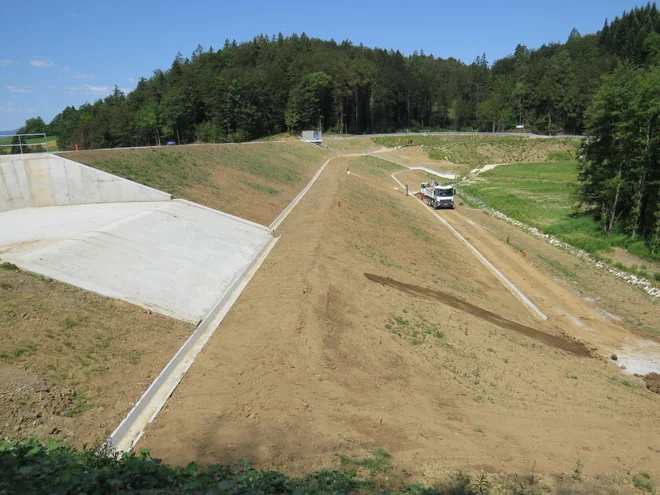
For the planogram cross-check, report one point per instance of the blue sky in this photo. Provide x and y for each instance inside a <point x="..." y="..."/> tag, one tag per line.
<point x="54" y="55"/>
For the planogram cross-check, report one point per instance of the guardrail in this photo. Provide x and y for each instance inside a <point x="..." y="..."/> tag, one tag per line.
<point x="21" y="143"/>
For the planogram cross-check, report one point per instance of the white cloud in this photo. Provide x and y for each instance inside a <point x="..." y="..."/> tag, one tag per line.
<point x="132" y="80"/>
<point x="50" y="86"/>
<point x="42" y="63"/>
<point x="19" y="110"/>
<point x="92" y="90"/>
<point x="66" y="68"/>
<point x="96" y="90"/>
<point x="22" y="89"/>
<point x="5" y="62"/>
<point x="84" y="76"/>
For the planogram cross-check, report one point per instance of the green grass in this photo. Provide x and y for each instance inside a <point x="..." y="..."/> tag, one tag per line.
<point x="80" y="405"/>
<point x="536" y="194"/>
<point x="540" y="195"/>
<point x="135" y="356"/>
<point x="379" y="462"/>
<point x="374" y="166"/>
<point x="177" y="168"/>
<point x="558" y="268"/>
<point x="264" y="189"/>
<point x="643" y="482"/>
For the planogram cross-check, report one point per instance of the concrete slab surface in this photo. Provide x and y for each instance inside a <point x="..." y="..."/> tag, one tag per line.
<point x="174" y="257"/>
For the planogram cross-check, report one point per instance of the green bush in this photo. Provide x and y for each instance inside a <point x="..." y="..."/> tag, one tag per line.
<point x="35" y="468"/>
<point x="208" y="132"/>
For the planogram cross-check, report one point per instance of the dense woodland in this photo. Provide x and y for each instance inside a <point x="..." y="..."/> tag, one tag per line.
<point x="604" y="85"/>
<point x="275" y="83"/>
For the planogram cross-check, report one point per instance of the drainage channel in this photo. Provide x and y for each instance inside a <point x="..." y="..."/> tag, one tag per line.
<point x="505" y="281"/>
<point x="285" y="213"/>
<point x="131" y="429"/>
<point x="145" y="410"/>
<point x="409" y="167"/>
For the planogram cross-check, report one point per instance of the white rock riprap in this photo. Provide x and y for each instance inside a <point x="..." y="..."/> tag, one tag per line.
<point x="641" y="282"/>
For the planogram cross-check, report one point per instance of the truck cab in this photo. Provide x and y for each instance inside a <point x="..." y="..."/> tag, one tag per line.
<point x="438" y="196"/>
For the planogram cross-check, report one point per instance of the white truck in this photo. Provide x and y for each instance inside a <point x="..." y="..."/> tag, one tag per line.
<point x="437" y="196"/>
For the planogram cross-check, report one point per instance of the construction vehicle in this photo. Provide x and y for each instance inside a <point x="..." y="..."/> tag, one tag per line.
<point x="437" y="196"/>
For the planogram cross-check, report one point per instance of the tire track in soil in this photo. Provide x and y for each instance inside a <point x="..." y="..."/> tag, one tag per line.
<point x="571" y="346"/>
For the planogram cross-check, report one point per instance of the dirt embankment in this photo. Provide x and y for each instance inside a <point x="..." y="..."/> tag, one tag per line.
<point x="73" y="363"/>
<point x="314" y="360"/>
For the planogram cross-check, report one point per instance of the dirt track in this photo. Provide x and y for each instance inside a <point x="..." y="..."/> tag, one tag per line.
<point x="315" y="360"/>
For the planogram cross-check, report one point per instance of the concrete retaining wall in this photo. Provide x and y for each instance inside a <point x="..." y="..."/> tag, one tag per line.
<point x="42" y="179"/>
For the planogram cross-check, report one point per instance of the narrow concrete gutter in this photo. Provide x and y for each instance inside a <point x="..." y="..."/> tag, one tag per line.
<point x="145" y="410"/>
<point x="505" y="281"/>
<point x="285" y="213"/>
<point x="131" y="429"/>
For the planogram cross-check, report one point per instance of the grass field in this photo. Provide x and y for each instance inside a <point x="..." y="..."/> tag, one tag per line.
<point x="477" y="150"/>
<point x="539" y="194"/>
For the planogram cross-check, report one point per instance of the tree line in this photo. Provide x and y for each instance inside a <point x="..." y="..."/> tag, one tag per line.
<point x="605" y="85"/>
<point x="275" y="84"/>
<point x="619" y="170"/>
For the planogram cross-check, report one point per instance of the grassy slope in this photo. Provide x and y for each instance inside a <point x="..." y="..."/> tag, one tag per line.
<point x="477" y="150"/>
<point x="540" y="195"/>
<point x="225" y="177"/>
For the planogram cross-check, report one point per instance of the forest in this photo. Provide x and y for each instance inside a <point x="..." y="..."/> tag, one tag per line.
<point x="274" y="84"/>
<point x="605" y="85"/>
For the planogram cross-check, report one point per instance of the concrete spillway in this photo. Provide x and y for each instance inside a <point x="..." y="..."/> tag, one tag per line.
<point x="41" y="179"/>
<point x="121" y="239"/>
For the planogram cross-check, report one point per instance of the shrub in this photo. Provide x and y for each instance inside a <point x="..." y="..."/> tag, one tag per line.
<point x="34" y="467"/>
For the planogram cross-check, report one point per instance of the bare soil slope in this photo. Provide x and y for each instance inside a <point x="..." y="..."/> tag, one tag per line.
<point x="339" y="345"/>
<point x="255" y="181"/>
<point x="73" y="363"/>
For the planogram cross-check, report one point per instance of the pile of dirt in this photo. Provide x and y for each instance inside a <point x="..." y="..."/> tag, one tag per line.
<point x="653" y="382"/>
